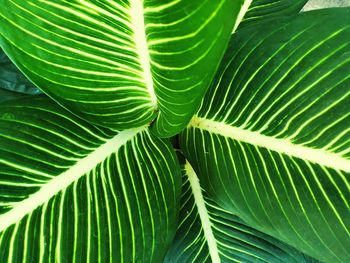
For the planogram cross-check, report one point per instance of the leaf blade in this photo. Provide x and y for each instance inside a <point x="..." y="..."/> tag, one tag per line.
<point x="295" y="97"/>
<point x="12" y="79"/>
<point x="118" y="64"/>
<point x="64" y="179"/>
<point x="209" y="233"/>
<point x="265" y="10"/>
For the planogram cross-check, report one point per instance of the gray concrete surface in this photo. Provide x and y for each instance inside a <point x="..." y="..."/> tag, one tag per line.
<point x="317" y="4"/>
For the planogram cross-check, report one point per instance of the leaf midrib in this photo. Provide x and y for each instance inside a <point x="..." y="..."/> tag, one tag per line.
<point x="241" y="14"/>
<point x="65" y="179"/>
<point x="137" y="19"/>
<point x="282" y="146"/>
<point x="203" y="213"/>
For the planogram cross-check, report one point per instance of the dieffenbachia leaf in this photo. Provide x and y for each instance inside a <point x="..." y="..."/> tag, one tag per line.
<point x="271" y="141"/>
<point x="208" y="233"/>
<point x="72" y="192"/>
<point x="121" y="64"/>
<point x="264" y="10"/>
<point x="9" y="95"/>
<point x="12" y="79"/>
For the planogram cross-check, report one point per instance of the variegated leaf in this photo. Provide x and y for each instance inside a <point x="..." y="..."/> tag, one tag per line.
<point x="72" y="192"/>
<point x="271" y="141"/>
<point x="209" y="233"/>
<point x="123" y="63"/>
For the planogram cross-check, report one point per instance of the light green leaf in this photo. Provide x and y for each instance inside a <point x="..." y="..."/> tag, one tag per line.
<point x="208" y="233"/>
<point x="72" y="192"/>
<point x="264" y="10"/>
<point x="12" y="79"/>
<point x="121" y="64"/>
<point x="271" y="141"/>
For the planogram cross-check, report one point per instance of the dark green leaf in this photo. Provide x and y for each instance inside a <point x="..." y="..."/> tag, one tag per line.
<point x="9" y="95"/>
<point x="208" y="233"/>
<point x="265" y="10"/>
<point x="72" y="192"/>
<point x="121" y="64"/>
<point x="12" y="79"/>
<point x="271" y="142"/>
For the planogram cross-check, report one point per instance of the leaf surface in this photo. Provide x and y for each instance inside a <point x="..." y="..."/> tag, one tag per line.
<point x="208" y="233"/>
<point x="9" y="95"/>
<point x="121" y="64"/>
<point x="12" y="79"/>
<point x="72" y="192"/>
<point x="264" y="10"/>
<point x="271" y="141"/>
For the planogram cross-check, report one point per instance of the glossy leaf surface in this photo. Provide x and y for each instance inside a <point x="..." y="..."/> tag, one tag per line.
<point x="259" y="11"/>
<point x="209" y="233"/>
<point x="121" y="64"/>
<point x="71" y="192"/>
<point x="271" y="141"/>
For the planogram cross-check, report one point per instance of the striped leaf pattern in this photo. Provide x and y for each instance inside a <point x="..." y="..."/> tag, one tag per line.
<point x="217" y="235"/>
<point x="124" y="63"/>
<point x="72" y="192"/>
<point x="271" y="141"/>
<point x="265" y="10"/>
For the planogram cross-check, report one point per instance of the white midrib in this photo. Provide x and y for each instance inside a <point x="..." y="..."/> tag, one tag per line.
<point x="318" y="156"/>
<point x="203" y="213"/>
<point x="242" y="13"/>
<point x="64" y="180"/>
<point x="138" y="23"/>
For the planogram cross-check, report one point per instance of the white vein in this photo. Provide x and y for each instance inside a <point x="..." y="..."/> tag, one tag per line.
<point x="138" y="24"/>
<point x="203" y="213"/>
<point x="284" y="146"/>
<point x="62" y="181"/>
<point x="242" y="12"/>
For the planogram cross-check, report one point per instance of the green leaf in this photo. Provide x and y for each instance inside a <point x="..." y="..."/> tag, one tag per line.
<point x="12" y="79"/>
<point x="208" y="233"/>
<point x="264" y="10"/>
<point x="121" y="64"/>
<point x="271" y="140"/>
<point x="9" y="95"/>
<point x="72" y="192"/>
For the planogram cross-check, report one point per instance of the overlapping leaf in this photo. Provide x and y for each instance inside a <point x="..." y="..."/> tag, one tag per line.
<point x="264" y="10"/>
<point x="271" y="141"/>
<point x="12" y="79"/>
<point x="9" y="95"/>
<point x="72" y="192"/>
<point x="208" y="233"/>
<point x="120" y="64"/>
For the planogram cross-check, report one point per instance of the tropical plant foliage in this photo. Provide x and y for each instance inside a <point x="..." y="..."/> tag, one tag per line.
<point x="174" y="131"/>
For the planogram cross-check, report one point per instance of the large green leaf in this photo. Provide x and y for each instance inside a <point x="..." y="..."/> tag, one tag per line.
<point x="12" y="79"/>
<point x="71" y="192"/>
<point x="208" y="233"/>
<point x="121" y="64"/>
<point x="271" y="141"/>
<point x="264" y="10"/>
